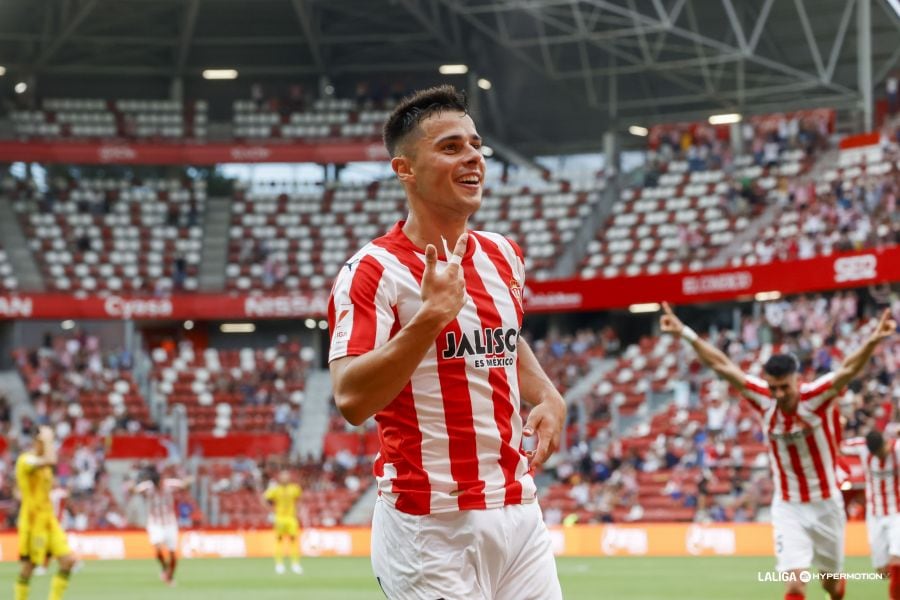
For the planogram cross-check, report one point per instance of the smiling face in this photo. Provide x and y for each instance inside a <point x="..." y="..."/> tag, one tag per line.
<point x="441" y="165"/>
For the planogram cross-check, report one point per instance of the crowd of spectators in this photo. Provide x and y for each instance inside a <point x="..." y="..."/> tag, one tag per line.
<point x="849" y="213"/>
<point x="66" y="366"/>
<point x="765" y="138"/>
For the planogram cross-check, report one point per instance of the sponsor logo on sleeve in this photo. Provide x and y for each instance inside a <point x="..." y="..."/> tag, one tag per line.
<point x="343" y="325"/>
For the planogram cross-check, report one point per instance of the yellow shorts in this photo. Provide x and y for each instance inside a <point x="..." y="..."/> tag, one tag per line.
<point x="286" y="526"/>
<point x="40" y="538"/>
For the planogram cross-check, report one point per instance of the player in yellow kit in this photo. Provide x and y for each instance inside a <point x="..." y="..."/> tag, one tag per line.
<point x="40" y="534"/>
<point x="283" y="496"/>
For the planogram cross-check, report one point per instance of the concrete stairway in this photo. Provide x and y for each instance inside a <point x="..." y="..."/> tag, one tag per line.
<point x="216" y="221"/>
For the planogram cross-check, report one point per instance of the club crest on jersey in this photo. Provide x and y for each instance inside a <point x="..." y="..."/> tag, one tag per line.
<point x="490" y="345"/>
<point x="516" y="290"/>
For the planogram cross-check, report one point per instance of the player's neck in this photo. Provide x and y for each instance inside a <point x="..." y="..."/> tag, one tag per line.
<point x="422" y="231"/>
<point x="788" y="407"/>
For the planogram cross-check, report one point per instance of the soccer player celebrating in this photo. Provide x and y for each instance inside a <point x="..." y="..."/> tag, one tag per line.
<point x="880" y="460"/>
<point x="40" y="534"/>
<point x="283" y="496"/>
<point x="162" y="524"/>
<point x="426" y="340"/>
<point x="802" y="427"/>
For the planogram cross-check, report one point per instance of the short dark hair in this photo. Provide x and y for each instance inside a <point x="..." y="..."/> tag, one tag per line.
<point x="416" y="107"/>
<point x="874" y="441"/>
<point x="780" y="365"/>
<point x="152" y="475"/>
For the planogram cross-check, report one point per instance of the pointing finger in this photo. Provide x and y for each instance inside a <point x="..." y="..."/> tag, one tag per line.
<point x="667" y="309"/>
<point x="459" y="250"/>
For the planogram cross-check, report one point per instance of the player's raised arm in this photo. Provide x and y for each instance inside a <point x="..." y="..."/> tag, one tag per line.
<point x="365" y="384"/>
<point x="548" y="417"/>
<point x="854" y="363"/>
<point x="708" y="354"/>
<point x="46" y="454"/>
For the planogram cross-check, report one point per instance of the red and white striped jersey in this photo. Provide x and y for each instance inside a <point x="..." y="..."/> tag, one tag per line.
<point x="160" y="501"/>
<point x="58" y="497"/>
<point x="452" y="439"/>
<point x="882" y="477"/>
<point x="802" y="445"/>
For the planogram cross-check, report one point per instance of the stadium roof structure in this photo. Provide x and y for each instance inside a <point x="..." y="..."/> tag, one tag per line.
<point x="562" y="71"/>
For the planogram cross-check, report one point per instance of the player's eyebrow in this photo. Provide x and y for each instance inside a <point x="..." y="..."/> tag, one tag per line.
<point x="456" y="137"/>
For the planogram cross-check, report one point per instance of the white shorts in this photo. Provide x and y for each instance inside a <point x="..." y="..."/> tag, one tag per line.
<point x="494" y="554"/>
<point x="884" y="538"/>
<point x="165" y="535"/>
<point x="809" y="535"/>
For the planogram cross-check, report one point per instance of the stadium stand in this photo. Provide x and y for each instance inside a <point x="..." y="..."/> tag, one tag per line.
<point x="80" y="388"/>
<point x="299" y="242"/>
<point x="233" y="390"/>
<point x="108" y="119"/>
<point x="685" y="220"/>
<point x="854" y="207"/>
<point x="8" y="280"/>
<point x="113" y="235"/>
<point x="326" y="118"/>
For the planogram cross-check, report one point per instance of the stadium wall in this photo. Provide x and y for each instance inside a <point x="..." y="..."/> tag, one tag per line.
<point x="837" y="271"/>
<point x="652" y="539"/>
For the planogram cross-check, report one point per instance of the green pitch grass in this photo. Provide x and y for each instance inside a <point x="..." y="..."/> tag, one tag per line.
<point x="351" y="579"/>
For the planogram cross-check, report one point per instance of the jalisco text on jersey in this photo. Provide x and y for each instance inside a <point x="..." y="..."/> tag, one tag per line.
<point x="487" y="341"/>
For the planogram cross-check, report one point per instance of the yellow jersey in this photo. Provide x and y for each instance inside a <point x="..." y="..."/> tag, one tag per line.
<point x="284" y="497"/>
<point x="35" y="484"/>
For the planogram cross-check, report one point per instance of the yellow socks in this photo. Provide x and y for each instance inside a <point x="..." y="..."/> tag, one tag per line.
<point x="20" y="591"/>
<point x="295" y="551"/>
<point x="58" y="586"/>
<point x="279" y="551"/>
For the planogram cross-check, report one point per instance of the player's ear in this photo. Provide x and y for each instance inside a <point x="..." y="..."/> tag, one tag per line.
<point x="402" y="166"/>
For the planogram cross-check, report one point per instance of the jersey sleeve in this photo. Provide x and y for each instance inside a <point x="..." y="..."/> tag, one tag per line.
<point x="360" y="313"/>
<point x="143" y="487"/>
<point x="519" y="263"/>
<point x="819" y="392"/>
<point x="756" y="391"/>
<point x="854" y="447"/>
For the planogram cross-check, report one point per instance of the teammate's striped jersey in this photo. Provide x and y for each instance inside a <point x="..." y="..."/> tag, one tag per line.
<point x="34" y="483"/>
<point x="160" y="501"/>
<point x="58" y="497"/>
<point x="882" y="477"/>
<point x="802" y="445"/>
<point x="452" y="439"/>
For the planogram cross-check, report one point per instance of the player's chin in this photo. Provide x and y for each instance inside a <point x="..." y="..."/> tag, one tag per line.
<point x="470" y="200"/>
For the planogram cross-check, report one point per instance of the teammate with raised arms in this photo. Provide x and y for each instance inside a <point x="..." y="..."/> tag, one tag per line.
<point x="803" y="428"/>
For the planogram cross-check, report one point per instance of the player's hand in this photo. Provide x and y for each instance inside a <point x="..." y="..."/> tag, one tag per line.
<point x="45" y="434"/>
<point x="886" y="326"/>
<point x="444" y="291"/>
<point x="546" y="420"/>
<point x="668" y="322"/>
